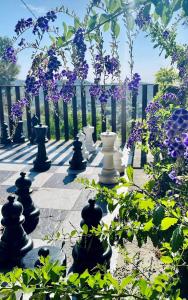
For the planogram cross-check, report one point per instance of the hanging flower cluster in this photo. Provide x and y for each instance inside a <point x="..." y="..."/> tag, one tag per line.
<point x="136" y="135"/>
<point x="177" y="133"/>
<point x="142" y="19"/>
<point x="133" y="84"/>
<point x="10" y="55"/>
<point x="23" y="25"/>
<point x="17" y="108"/>
<point x="79" y="49"/>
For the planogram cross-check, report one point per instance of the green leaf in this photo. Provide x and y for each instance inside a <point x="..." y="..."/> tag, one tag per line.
<point x="65" y="28"/>
<point x="126" y="281"/>
<point x="106" y="26"/>
<point x="166" y="259"/>
<point x="177" y="239"/>
<point x="129" y="171"/>
<point x="158" y="215"/>
<point x="92" y="22"/>
<point x="148" y="225"/>
<point x="85" y="229"/>
<point x="76" y="23"/>
<point x="146" y="204"/>
<point x="59" y="42"/>
<point x="168" y="222"/>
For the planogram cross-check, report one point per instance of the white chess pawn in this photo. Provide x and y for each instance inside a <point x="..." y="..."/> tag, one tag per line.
<point x="108" y="175"/>
<point x="82" y="138"/>
<point x="118" y="158"/>
<point x="90" y="146"/>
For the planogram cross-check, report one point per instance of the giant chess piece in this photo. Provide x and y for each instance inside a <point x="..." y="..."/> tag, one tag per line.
<point x="14" y="242"/>
<point x="118" y="158"/>
<point x="18" y="136"/>
<point x="34" y="122"/>
<point x="30" y="212"/>
<point x="77" y="162"/>
<point x="82" y="139"/>
<point x="5" y="138"/>
<point x="108" y="174"/>
<point x="91" y="251"/>
<point x="41" y="163"/>
<point x="90" y="146"/>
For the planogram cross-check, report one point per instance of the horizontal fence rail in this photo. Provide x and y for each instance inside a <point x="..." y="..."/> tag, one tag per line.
<point x="65" y="120"/>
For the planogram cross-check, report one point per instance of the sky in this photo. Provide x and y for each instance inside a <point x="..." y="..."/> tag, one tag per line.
<point x="146" y="59"/>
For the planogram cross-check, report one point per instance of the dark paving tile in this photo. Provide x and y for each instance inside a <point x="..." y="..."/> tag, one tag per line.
<point x="63" y="181"/>
<point x="29" y="169"/>
<point x="49" y="222"/>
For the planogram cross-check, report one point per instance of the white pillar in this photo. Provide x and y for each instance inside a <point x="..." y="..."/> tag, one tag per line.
<point x="108" y="174"/>
<point x="82" y="138"/>
<point x="90" y="146"/>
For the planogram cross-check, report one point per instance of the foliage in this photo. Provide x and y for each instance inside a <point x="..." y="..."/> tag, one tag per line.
<point x="166" y="77"/>
<point x="8" y="71"/>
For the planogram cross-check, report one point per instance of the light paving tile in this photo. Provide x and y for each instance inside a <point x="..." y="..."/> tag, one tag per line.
<point x="55" y="198"/>
<point x="71" y="222"/>
<point x="38" y="179"/>
<point x="11" y="167"/>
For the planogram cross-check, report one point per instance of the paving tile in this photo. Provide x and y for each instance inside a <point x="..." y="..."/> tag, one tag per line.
<point x="71" y="222"/>
<point x="55" y="198"/>
<point x="5" y="191"/>
<point x="82" y="199"/>
<point x="50" y="222"/>
<point x="11" y="167"/>
<point x="63" y="181"/>
<point x="4" y="175"/>
<point x="38" y="179"/>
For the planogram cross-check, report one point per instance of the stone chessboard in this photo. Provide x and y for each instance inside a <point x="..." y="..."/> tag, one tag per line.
<point x="56" y="192"/>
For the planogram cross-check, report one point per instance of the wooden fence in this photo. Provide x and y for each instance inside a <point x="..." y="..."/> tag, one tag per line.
<point x="66" y="119"/>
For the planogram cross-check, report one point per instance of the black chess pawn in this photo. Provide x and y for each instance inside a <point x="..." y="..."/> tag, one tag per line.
<point x="30" y="212"/>
<point x="14" y="243"/>
<point x="41" y="163"/>
<point x="77" y="162"/>
<point x="91" y="250"/>
<point x="18" y="136"/>
<point x="5" y="138"/>
<point x="34" y="122"/>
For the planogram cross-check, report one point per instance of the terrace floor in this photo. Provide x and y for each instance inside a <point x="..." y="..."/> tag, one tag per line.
<point x="56" y="192"/>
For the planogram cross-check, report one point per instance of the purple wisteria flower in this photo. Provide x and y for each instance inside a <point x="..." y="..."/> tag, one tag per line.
<point x="142" y="19"/>
<point x="133" y="84"/>
<point x="111" y="64"/>
<point x="176" y="132"/>
<point x="153" y="107"/>
<point x="174" y="177"/>
<point x="94" y="90"/>
<point x="17" y="108"/>
<point x="22" y="25"/>
<point x="42" y="23"/>
<point x="136" y="135"/>
<point x="170" y="97"/>
<point x="79" y="49"/>
<point x="10" y="55"/>
<point x="165" y="34"/>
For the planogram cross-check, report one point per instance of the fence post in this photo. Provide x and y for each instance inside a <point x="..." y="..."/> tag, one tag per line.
<point x="113" y="114"/>
<point x="74" y="113"/>
<point x="123" y="121"/>
<point x="144" y="105"/>
<point x="66" y="121"/>
<point x="37" y="107"/>
<point x="28" y="117"/>
<point x="1" y="107"/>
<point x="56" y="120"/>
<point x="9" y="103"/>
<point x="83" y="106"/>
<point x="93" y="117"/>
<point x="47" y="115"/>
